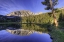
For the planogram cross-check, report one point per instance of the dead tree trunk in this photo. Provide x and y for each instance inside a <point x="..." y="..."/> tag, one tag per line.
<point x="55" y="19"/>
<point x="53" y="13"/>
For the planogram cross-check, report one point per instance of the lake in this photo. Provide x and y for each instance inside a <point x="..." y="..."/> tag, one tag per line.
<point x="6" y="36"/>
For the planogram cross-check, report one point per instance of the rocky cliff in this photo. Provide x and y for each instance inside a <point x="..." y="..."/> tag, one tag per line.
<point x="20" y="13"/>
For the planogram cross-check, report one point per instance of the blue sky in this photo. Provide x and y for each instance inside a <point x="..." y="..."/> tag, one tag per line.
<point x="7" y="6"/>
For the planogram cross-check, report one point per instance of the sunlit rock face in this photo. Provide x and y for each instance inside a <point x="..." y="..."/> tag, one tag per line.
<point x="22" y="32"/>
<point x="21" y="13"/>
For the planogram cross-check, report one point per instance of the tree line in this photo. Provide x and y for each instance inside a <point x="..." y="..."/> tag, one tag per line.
<point x="43" y="18"/>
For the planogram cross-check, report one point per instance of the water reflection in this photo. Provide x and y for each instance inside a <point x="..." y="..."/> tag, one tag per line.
<point x="22" y="32"/>
<point x="14" y="33"/>
<point x="34" y="27"/>
<point x="35" y="37"/>
<point x="5" y="26"/>
<point x="23" y="26"/>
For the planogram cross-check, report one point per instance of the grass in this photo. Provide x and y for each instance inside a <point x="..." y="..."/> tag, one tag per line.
<point x="57" y="34"/>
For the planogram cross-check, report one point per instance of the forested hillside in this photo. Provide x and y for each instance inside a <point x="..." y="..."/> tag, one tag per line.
<point x="42" y="18"/>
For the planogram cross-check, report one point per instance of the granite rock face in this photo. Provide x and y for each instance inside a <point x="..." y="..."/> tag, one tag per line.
<point x="22" y="32"/>
<point x="20" y="13"/>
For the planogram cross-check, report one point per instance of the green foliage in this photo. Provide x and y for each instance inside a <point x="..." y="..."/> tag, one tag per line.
<point x="58" y="35"/>
<point x="60" y="17"/>
<point x="49" y="3"/>
<point x="57" y="10"/>
<point x="42" y="23"/>
<point x="41" y="19"/>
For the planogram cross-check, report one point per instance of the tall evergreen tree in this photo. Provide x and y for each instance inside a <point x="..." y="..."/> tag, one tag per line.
<point x="50" y="6"/>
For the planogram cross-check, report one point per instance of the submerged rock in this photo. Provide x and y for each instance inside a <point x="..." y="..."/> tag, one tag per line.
<point x="22" y="31"/>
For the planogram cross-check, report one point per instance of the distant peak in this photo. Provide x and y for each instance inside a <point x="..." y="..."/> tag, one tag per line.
<point x="20" y="13"/>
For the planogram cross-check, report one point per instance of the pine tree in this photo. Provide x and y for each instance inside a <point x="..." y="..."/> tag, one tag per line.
<point x="50" y="6"/>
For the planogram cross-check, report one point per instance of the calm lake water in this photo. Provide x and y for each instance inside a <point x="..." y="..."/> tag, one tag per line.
<point x="6" y="36"/>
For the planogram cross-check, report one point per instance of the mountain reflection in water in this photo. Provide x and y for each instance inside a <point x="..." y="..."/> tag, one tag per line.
<point x="35" y="37"/>
<point x="22" y="31"/>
